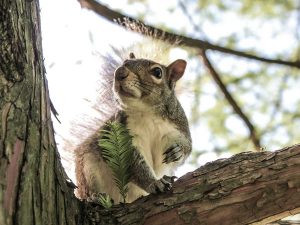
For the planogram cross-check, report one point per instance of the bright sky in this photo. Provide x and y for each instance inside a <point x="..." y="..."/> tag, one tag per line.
<point x="72" y="36"/>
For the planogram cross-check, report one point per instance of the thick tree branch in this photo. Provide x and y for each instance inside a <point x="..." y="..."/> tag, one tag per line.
<point x="248" y="188"/>
<point x="252" y="133"/>
<point x="168" y="36"/>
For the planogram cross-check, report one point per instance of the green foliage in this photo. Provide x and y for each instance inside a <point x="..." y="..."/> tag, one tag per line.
<point x="105" y="201"/>
<point x="251" y="8"/>
<point x="117" y="150"/>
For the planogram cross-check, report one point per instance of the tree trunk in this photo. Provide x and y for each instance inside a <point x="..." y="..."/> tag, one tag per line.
<point x="33" y="186"/>
<point x="247" y="188"/>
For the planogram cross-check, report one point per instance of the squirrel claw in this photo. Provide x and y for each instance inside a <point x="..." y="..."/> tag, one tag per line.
<point x="162" y="185"/>
<point x="173" y="154"/>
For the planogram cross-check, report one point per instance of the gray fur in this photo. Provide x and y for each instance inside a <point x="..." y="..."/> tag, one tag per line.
<point x="151" y="100"/>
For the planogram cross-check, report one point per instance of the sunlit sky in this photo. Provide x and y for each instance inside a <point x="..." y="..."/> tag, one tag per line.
<point x="72" y="36"/>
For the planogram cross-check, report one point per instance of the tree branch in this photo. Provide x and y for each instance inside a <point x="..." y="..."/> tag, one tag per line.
<point x="248" y="188"/>
<point x="252" y="133"/>
<point x="112" y="15"/>
<point x="223" y="87"/>
<point x="285" y="222"/>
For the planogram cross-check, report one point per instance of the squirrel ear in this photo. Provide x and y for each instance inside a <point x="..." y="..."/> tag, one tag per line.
<point x="131" y="55"/>
<point x="176" y="69"/>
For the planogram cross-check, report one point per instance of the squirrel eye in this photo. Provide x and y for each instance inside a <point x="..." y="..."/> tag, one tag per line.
<point x="156" y="71"/>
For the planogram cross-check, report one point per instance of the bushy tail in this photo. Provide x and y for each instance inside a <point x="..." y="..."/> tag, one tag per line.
<point x="104" y="105"/>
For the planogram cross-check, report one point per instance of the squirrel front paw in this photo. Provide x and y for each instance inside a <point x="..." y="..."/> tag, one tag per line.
<point x="173" y="154"/>
<point x="161" y="185"/>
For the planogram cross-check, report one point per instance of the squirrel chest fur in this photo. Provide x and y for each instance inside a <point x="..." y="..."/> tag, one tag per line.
<point x="151" y="135"/>
<point x="148" y="107"/>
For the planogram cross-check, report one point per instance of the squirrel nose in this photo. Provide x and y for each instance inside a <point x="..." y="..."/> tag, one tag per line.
<point x="121" y="73"/>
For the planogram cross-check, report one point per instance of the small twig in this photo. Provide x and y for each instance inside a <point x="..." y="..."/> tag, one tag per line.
<point x="168" y="36"/>
<point x="298" y="29"/>
<point x="254" y="138"/>
<point x="278" y="102"/>
<point x="285" y="222"/>
<point x="197" y="28"/>
<point x="218" y="80"/>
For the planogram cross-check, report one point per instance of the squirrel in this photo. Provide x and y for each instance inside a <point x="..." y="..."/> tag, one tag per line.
<point x="146" y="104"/>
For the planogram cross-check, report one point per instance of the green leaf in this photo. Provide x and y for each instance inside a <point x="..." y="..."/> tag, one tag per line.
<point x="117" y="150"/>
<point x="105" y="201"/>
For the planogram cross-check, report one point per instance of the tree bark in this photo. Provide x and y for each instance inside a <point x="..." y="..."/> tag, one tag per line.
<point x="247" y="188"/>
<point x="33" y="186"/>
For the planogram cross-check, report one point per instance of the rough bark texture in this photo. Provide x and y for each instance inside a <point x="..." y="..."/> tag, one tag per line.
<point x="247" y="188"/>
<point x="33" y="188"/>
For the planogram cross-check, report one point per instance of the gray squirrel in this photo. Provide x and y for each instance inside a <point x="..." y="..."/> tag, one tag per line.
<point x="147" y="106"/>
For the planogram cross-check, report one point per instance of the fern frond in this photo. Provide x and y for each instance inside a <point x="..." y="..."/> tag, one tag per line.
<point x="105" y="201"/>
<point x="117" y="150"/>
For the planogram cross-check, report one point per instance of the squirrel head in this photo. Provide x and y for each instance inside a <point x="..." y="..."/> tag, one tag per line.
<point x="142" y="82"/>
